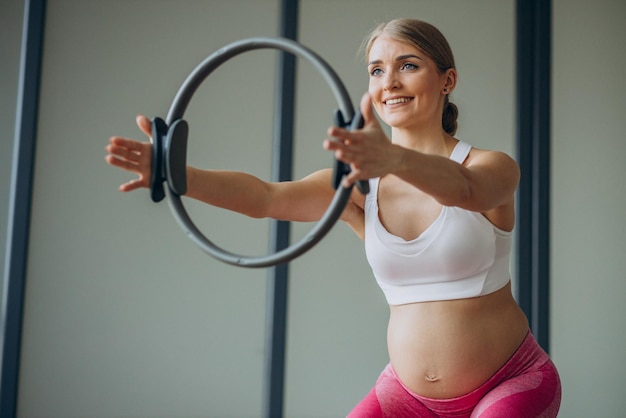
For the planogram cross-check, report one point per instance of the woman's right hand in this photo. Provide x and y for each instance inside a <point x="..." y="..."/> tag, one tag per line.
<point x="133" y="156"/>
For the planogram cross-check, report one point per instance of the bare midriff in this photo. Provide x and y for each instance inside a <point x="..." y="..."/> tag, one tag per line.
<point x="446" y="349"/>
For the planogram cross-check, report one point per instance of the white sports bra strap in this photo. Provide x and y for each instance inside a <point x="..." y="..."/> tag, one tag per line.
<point x="460" y="152"/>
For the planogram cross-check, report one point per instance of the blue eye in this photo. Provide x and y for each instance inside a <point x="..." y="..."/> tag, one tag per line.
<point x="376" y="72"/>
<point x="409" y="66"/>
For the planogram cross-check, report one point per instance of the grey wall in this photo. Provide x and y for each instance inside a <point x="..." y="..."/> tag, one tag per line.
<point x="588" y="206"/>
<point x="125" y="316"/>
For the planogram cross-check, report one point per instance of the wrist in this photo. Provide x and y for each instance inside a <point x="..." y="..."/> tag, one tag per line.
<point x="400" y="159"/>
<point x="191" y="173"/>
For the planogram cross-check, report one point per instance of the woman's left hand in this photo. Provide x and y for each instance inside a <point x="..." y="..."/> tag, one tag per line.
<point x="368" y="151"/>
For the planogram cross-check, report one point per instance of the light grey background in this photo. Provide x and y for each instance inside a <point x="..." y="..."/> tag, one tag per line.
<point x="124" y="316"/>
<point x="588" y="206"/>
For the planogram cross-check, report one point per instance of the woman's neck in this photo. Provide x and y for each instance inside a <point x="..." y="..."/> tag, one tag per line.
<point x="428" y="140"/>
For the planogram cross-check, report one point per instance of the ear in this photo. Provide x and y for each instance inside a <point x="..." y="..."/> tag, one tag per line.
<point x="449" y="81"/>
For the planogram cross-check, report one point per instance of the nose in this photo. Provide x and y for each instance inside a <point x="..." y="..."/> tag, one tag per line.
<point x="391" y="81"/>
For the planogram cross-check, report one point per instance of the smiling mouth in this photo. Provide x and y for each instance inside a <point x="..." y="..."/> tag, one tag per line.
<point x="398" y="100"/>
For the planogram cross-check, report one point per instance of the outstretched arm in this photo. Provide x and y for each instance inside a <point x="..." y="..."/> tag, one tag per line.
<point x="301" y="200"/>
<point x="485" y="183"/>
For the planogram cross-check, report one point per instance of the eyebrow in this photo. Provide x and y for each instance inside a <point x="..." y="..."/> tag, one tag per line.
<point x="398" y="58"/>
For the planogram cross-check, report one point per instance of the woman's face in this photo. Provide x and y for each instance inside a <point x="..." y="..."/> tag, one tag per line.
<point x="404" y="84"/>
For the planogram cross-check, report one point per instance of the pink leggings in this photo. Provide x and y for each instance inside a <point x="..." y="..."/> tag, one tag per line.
<point x="527" y="386"/>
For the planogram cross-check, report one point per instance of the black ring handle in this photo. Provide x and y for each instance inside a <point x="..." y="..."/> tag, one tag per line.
<point x="341" y="169"/>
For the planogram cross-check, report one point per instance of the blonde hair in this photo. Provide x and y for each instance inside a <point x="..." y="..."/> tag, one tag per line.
<point x="429" y="40"/>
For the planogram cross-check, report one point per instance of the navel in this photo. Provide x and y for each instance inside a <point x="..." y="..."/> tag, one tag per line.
<point x="431" y="377"/>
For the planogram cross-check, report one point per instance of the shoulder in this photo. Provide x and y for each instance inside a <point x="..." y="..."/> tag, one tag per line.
<point x="492" y="160"/>
<point x="497" y="175"/>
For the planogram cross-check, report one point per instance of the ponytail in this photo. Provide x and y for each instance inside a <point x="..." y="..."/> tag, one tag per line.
<point x="449" y="117"/>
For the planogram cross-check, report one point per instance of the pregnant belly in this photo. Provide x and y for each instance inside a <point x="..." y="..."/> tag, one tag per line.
<point x="447" y="349"/>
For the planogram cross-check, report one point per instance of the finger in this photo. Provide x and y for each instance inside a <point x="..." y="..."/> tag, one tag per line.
<point x="145" y="125"/>
<point x="345" y="154"/>
<point x="123" y="164"/>
<point x="130" y="144"/>
<point x="123" y="153"/>
<point x="348" y="181"/>
<point x="366" y="108"/>
<point x="340" y="150"/>
<point x="132" y="185"/>
<point x="353" y="176"/>
<point x="331" y="145"/>
<point x="336" y="132"/>
<point x="343" y="136"/>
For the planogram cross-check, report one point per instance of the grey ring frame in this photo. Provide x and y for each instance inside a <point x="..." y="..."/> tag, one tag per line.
<point x="176" y="112"/>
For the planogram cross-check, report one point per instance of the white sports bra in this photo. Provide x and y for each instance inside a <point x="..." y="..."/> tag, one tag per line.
<point x="460" y="255"/>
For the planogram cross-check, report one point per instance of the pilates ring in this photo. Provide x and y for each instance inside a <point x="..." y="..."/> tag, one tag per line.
<point x="169" y="157"/>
